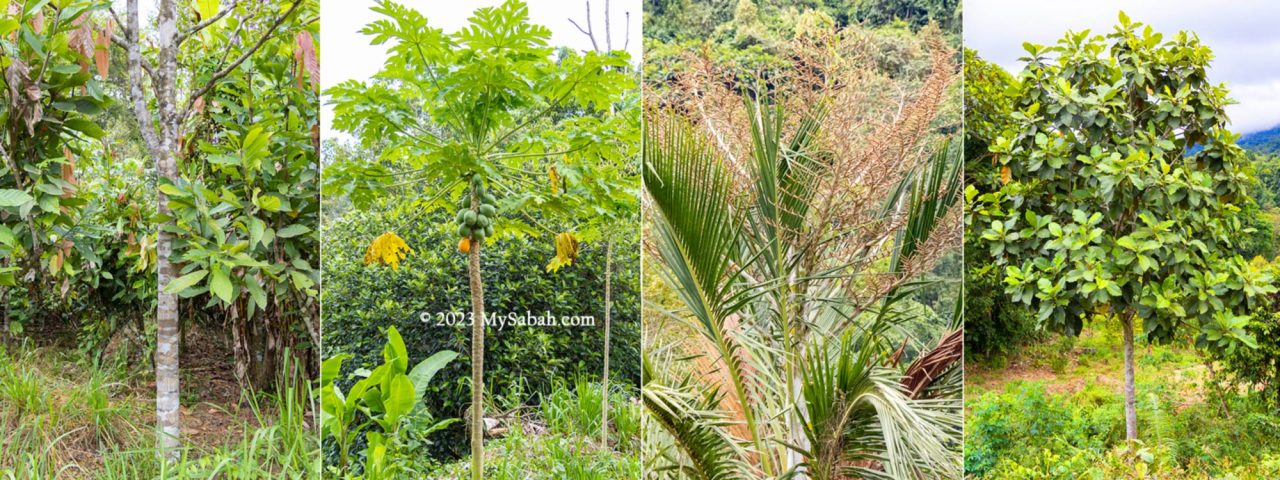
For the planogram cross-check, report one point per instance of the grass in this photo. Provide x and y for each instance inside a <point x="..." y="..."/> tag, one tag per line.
<point x="1068" y="403"/>
<point x="561" y="440"/>
<point x="61" y="419"/>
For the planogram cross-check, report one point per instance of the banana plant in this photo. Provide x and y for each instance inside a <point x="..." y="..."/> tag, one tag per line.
<point x="384" y="395"/>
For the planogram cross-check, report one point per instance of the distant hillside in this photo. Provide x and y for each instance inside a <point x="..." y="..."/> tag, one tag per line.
<point x="1266" y="141"/>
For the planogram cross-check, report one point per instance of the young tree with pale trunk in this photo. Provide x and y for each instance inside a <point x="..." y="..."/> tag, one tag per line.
<point x="164" y="97"/>
<point x="1117" y="191"/>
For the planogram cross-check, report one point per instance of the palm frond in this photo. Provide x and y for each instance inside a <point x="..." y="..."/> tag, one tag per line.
<point x="689" y="413"/>
<point x="932" y="194"/>
<point x="858" y="418"/>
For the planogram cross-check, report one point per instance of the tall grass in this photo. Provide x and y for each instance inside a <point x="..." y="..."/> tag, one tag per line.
<point x="59" y="419"/>
<point x="569" y="447"/>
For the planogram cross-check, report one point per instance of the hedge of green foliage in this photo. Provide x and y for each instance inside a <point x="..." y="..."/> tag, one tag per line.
<point x="1025" y="432"/>
<point x="361" y="301"/>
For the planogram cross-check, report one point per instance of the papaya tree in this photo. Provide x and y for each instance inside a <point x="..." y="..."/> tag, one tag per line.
<point x="165" y="118"/>
<point x="1118" y="191"/>
<point x="475" y="118"/>
<point x="614" y="214"/>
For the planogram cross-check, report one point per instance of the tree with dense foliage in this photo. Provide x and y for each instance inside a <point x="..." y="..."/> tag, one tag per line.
<point x="501" y="129"/>
<point x="220" y="183"/>
<point x="1098" y="209"/>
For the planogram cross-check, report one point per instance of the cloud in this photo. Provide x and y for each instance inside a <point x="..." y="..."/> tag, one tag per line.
<point x="1243" y="35"/>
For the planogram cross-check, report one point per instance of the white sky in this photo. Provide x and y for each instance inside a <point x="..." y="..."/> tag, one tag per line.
<point x="1244" y="36"/>
<point x="346" y="53"/>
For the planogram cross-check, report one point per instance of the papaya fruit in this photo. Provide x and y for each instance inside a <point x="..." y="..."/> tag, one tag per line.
<point x="488" y="210"/>
<point x="464" y="245"/>
<point x="469" y="217"/>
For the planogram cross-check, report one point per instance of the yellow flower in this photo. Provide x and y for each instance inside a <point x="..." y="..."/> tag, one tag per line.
<point x="387" y="249"/>
<point x="566" y="251"/>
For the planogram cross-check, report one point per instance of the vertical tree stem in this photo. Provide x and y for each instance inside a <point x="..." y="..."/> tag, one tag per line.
<point x="608" y="306"/>
<point x="1130" y="406"/>
<point x="477" y="353"/>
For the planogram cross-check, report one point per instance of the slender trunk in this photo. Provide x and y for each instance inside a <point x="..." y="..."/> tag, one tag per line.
<point x="608" y="306"/>
<point x="477" y="355"/>
<point x="1130" y="406"/>
<point x="161" y="139"/>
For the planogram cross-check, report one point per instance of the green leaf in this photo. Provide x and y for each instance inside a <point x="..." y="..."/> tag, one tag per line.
<point x="397" y="401"/>
<point x="186" y="281"/>
<point x="256" y="229"/>
<point x="394" y="353"/>
<point x="422" y="373"/>
<point x="207" y="8"/>
<point x="220" y="284"/>
<point x="293" y="231"/>
<point x="173" y="191"/>
<point x="254" y="148"/>
<point x="269" y="203"/>
<point x="13" y="198"/>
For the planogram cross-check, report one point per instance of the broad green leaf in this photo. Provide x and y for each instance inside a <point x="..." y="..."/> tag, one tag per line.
<point x="186" y="281"/>
<point x="293" y="231"/>
<point x="220" y="284"/>
<point x="13" y="198"/>
<point x="398" y="400"/>
<point x="393" y="353"/>
<point x="269" y="203"/>
<point x="207" y="8"/>
<point x="425" y="370"/>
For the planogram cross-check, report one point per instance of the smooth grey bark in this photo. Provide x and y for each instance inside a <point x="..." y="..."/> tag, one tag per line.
<point x="161" y="138"/>
<point x="477" y="353"/>
<point x="1130" y="405"/>
<point x="160" y="134"/>
<point x="608" y="307"/>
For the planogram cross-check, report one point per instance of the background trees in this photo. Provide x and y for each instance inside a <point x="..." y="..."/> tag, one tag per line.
<point x="1102" y="208"/>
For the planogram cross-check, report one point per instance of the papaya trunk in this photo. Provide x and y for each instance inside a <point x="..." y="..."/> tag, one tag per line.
<point x="608" y="307"/>
<point x="1130" y="405"/>
<point x="477" y="356"/>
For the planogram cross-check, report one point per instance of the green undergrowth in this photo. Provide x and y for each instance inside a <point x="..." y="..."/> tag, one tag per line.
<point x="560" y="439"/>
<point x="62" y="419"/>
<point x="1062" y="397"/>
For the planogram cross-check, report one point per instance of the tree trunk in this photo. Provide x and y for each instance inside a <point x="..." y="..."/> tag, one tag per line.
<point x="161" y="140"/>
<point x="608" y="307"/>
<point x="1130" y="405"/>
<point x="477" y="354"/>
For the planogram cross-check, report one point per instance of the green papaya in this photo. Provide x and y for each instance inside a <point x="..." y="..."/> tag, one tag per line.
<point x="488" y="210"/>
<point x="488" y="231"/>
<point x="469" y="217"/>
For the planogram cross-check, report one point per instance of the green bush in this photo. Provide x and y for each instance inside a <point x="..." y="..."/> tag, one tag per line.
<point x="1002" y="425"/>
<point x="361" y="301"/>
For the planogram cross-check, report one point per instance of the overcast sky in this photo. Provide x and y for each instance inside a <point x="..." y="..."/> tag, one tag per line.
<point x="346" y="53"/>
<point x="1244" y="36"/>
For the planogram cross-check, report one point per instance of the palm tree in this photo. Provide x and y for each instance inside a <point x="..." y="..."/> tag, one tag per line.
<point x="790" y="250"/>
